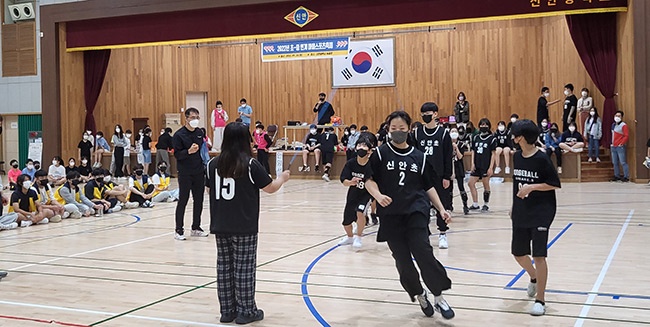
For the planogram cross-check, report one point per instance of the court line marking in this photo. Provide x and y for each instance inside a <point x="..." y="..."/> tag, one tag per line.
<point x="523" y="271"/>
<point x="603" y="272"/>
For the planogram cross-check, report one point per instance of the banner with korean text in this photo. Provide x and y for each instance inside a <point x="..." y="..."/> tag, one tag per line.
<point x="305" y="49"/>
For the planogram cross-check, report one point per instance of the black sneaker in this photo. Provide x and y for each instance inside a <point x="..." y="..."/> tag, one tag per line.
<point x="317" y="168"/>
<point x="445" y="310"/>
<point x="425" y="305"/>
<point x="474" y="207"/>
<point x="625" y="180"/>
<point x="242" y="320"/>
<point x="485" y="208"/>
<point x="466" y="210"/>
<point x="375" y="218"/>
<point x="615" y="179"/>
<point x="228" y="317"/>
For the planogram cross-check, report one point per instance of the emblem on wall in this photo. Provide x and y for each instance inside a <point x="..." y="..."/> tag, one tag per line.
<point x="301" y="16"/>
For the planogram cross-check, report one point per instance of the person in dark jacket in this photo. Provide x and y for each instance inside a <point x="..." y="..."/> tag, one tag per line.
<point x="163" y="146"/>
<point x="324" y="109"/>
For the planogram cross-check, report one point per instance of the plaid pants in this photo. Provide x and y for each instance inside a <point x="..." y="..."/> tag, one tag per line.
<point x="236" y="261"/>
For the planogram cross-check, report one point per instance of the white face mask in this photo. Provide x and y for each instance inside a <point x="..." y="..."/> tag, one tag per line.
<point x="347" y="133"/>
<point x="584" y="94"/>
<point x="86" y="137"/>
<point x="547" y="94"/>
<point x="258" y="131"/>
<point x="71" y="163"/>
<point x="352" y="131"/>
<point x="107" y="179"/>
<point x="593" y="113"/>
<point x="27" y="184"/>
<point x="617" y="119"/>
<point x="572" y="129"/>
<point x="30" y="167"/>
<point x="54" y="162"/>
<point x="544" y="124"/>
<point x="461" y="98"/>
<point x="566" y="92"/>
<point x="243" y="105"/>
<point x="219" y="109"/>
<point x="194" y="123"/>
<point x="117" y="130"/>
<point x="513" y="119"/>
<point x="128" y="136"/>
<point x="453" y="135"/>
<point x="501" y="128"/>
<point x="313" y="131"/>
<point x="84" y="161"/>
<point x="162" y="132"/>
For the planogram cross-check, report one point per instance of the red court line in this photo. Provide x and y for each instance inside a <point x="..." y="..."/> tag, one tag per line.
<point x="49" y="322"/>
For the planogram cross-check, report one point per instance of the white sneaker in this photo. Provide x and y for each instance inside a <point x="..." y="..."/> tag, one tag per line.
<point x="56" y="219"/>
<point x="170" y="199"/>
<point x="442" y="241"/>
<point x="531" y="290"/>
<point x="76" y="215"/>
<point x="9" y="226"/>
<point x="116" y="208"/>
<point x="326" y="177"/>
<point x="199" y="233"/>
<point x="497" y="170"/>
<point x="507" y="170"/>
<point x="346" y="240"/>
<point x="43" y="222"/>
<point x="65" y="215"/>
<point x="131" y="205"/>
<point x="179" y="237"/>
<point x="356" y="243"/>
<point x="559" y="170"/>
<point x="538" y="309"/>
<point x="26" y="223"/>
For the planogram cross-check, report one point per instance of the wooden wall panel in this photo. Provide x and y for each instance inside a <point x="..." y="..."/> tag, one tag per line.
<point x="501" y="66"/>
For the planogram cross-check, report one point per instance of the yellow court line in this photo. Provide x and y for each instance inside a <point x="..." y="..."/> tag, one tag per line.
<point x="353" y="29"/>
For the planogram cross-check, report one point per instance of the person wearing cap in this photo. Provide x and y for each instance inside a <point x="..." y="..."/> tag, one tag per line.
<point x="324" y="109"/>
<point x="312" y="144"/>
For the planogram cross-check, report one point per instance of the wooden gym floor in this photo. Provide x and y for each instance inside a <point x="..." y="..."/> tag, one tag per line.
<point x="125" y="269"/>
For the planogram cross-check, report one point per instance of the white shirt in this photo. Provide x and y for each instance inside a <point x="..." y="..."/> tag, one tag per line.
<point x="585" y="104"/>
<point x="56" y="172"/>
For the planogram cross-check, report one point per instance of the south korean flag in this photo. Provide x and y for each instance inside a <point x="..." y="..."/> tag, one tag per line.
<point x="369" y="63"/>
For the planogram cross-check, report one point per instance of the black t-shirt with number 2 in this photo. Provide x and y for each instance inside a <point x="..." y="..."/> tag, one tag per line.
<point x="538" y="209"/>
<point x="235" y="203"/>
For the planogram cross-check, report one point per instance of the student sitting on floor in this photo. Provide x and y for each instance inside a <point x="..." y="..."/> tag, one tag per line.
<point x="161" y="181"/>
<point x="572" y="140"/>
<point x="141" y="190"/>
<point x="117" y="191"/>
<point x="46" y="196"/>
<point x="94" y="190"/>
<point x="24" y="201"/>
<point x="73" y="199"/>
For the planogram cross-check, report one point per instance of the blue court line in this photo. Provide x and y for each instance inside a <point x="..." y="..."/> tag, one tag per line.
<point x="305" y="293"/>
<point x="137" y="220"/>
<point x="523" y="271"/>
<point x="612" y="295"/>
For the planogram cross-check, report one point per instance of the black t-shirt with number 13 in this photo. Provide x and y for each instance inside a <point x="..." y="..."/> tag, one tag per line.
<point x="538" y="209"/>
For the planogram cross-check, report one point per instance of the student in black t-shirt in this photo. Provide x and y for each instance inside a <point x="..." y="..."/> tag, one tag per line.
<point x="483" y="156"/>
<point x="433" y="139"/>
<point x="85" y="147"/>
<point x="84" y="169"/>
<point x="533" y="209"/>
<point x="354" y="175"/>
<point x="459" y="167"/>
<point x="24" y="201"/>
<point x="571" y="140"/>
<point x="503" y="147"/>
<point x="543" y="104"/>
<point x="570" y="107"/>
<point x="234" y="179"/>
<point x="328" y="141"/>
<point x="311" y="145"/>
<point x="402" y="183"/>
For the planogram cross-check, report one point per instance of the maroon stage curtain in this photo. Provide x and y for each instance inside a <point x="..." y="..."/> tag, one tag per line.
<point x="594" y="36"/>
<point x="95" y="65"/>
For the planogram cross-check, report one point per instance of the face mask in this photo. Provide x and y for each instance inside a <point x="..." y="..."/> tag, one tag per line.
<point x="84" y="161"/>
<point x="461" y="131"/>
<point x="322" y="99"/>
<point x="313" y="131"/>
<point x="513" y="119"/>
<point x="501" y="128"/>
<point x="566" y="92"/>
<point x="544" y="124"/>
<point x="546" y="95"/>
<point x="484" y="129"/>
<point x="86" y="137"/>
<point x="128" y="136"/>
<point x="27" y="184"/>
<point x="30" y="167"/>
<point x="399" y="137"/>
<point x="617" y="119"/>
<point x="584" y="94"/>
<point x="352" y="131"/>
<point x="572" y="129"/>
<point x="139" y="172"/>
<point x="454" y="136"/>
<point x="163" y="168"/>
<point x="347" y="133"/>
<point x="75" y="182"/>
<point x="554" y="130"/>
<point x="43" y="182"/>
<point x="427" y="118"/>
<point x="117" y="130"/>
<point x="461" y="98"/>
<point x="14" y="165"/>
<point x="592" y="113"/>
<point x="259" y="131"/>
<point x="54" y="162"/>
<point x="243" y="105"/>
<point x="37" y="167"/>
<point x="162" y="132"/>
<point x="71" y="163"/>
<point x="194" y="123"/>
<point x="362" y="153"/>
<point x="107" y="179"/>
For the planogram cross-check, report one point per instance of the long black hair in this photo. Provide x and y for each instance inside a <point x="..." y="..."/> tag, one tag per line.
<point x="596" y="116"/>
<point x="121" y="133"/>
<point x="235" y="151"/>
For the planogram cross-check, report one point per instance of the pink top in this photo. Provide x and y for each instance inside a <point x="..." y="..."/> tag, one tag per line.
<point x="13" y="175"/>
<point x="219" y="118"/>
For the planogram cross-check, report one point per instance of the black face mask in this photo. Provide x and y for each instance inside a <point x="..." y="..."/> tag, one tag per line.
<point x="461" y="131"/>
<point x="37" y="167"/>
<point x="362" y="153"/>
<point x="43" y="182"/>
<point x="139" y="172"/>
<point x="75" y="182"/>
<point x="427" y="118"/>
<point x="322" y="99"/>
<point x="484" y="129"/>
<point x="15" y="166"/>
<point x="163" y="168"/>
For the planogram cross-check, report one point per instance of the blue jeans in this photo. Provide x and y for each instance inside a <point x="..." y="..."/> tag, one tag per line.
<point x="594" y="145"/>
<point x="618" y="156"/>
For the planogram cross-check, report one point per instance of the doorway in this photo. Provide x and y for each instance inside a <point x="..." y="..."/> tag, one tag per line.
<point x="198" y="100"/>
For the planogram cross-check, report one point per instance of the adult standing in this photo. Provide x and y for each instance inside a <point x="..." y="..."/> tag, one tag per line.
<point x="585" y="103"/>
<point x="120" y="142"/>
<point x="187" y="143"/>
<point x="245" y="112"/>
<point x="163" y="146"/>
<point x="570" y="107"/>
<point x="461" y="109"/>
<point x="218" y="122"/>
<point x="324" y="109"/>
<point x="543" y="104"/>
<point x="620" y="136"/>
